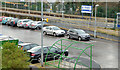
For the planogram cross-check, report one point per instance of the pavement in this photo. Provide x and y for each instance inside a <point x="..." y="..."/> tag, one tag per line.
<point x="105" y="52"/>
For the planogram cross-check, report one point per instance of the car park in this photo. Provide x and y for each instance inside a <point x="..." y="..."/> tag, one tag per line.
<point x="27" y="25"/>
<point x="53" y="30"/>
<point x="21" y="22"/>
<point x="35" y="53"/>
<point x="78" y="34"/>
<point x="5" y="19"/>
<point x="14" y="22"/>
<point x="26" y="46"/>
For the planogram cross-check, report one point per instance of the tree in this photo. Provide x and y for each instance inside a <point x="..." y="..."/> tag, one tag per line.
<point x="13" y="57"/>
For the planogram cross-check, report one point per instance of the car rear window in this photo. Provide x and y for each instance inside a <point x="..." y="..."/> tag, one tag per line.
<point x="33" y="45"/>
<point x="26" y="47"/>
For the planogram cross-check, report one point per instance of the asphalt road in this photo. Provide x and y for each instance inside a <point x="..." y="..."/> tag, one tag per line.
<point x="104" y="52"/>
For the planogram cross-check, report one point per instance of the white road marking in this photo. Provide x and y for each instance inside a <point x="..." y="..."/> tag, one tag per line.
<point x="90" y="41"/>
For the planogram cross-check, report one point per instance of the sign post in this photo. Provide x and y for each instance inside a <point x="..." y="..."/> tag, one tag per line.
<point x="86" y="9"/>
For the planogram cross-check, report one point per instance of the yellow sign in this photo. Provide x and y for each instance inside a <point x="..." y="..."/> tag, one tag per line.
<point x="47" y="20"/>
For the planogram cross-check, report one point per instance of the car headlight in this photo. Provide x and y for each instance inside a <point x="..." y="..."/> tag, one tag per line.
<point x="83" y="36"/>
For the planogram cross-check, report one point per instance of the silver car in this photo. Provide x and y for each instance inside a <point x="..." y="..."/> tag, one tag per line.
<point x="21" y="22"/>
<point x="35" y="25"/>
<point x="27" y="25"/>
<point x="78" y="34"/>
<point x="53" y="30"/>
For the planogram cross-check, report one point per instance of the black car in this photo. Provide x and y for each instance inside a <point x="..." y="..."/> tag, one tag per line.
<point x="26" y="46"/>
<point x="35" y="53"/>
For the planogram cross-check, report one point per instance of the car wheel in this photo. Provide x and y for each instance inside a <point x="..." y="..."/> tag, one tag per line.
<point x="54" y="34"/>
<point x="39" y="59"/>
<point x="79" y="38"/>
<point x="38" y="28"/>
<point x="69" y="37"/>
<point x="45" y="33"/>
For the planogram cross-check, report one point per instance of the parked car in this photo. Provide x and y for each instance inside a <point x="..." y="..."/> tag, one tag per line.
<point x="1" y="18"/>
<point x="21" y="22"/>
<point x="27" y="25"/>
<point x="35" y="25"/>
<point x="9" y="20"/>
<point x="35" y="53"/>
<point x="26" y="46"/>
<point x="14" y="22"/>
<point x="53" y="30"/>
<point x="5" y="19"/>
<point x="78" y="34"/>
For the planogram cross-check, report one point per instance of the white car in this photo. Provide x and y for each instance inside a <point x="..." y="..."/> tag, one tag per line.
<point x="27" y="25"/>
<point x="35" y="25"/>
<point x="53" y="30"/>
<point x="21" y="22"/>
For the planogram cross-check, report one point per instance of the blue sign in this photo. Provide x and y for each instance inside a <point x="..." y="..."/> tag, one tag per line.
<point x="86" y="9"/>
<point x="118" y="25"/>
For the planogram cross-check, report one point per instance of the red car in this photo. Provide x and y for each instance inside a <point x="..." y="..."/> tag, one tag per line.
<point x="1" y="18"/>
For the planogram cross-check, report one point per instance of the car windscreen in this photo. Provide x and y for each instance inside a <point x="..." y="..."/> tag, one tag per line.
<point x="33" y="45"/>
<point x="56" y="28"/>
<point x="35" y="49"/>
<point x="53" y="49"/>
<point x="81" y="32"/>
<point x="26" y="47"/>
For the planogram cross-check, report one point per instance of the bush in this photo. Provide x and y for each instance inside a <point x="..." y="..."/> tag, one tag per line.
<point x="13" y="57"/>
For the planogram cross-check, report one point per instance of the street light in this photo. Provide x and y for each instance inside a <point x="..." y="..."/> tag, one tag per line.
<point x="95" y="20"/>
<point x="42" y="33"/>
<point x="5" y="5"/>
<point x="106" y="13"/>
<point x="62" y="8"/>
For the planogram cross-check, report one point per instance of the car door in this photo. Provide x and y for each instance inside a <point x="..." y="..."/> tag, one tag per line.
<point x="75" y="34"/>
<point x="45" y="51"/>
<point x="54" y="52"/>
<point x="39" y="24"/>
<point x="47" y="29"/>
<point x="51" y="30"/>
<point x="71" y="33"/>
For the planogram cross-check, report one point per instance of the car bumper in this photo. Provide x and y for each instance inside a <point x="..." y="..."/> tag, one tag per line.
<point x="59" y="34"/>
<point x="32" y="27"/>
<point x="20" y="25"/>
<point x="85" y="38"/>
<point x="26" y="26"/>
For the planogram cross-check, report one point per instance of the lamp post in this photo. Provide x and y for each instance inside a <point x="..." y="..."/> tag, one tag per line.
<point x="42" y="33"/>
<point x="5" y="5"/>
<point x="106" y="13"/>
<point x="29" y="6"/>
<point x="95" y="20"/>
<point x="62" y="8"/>
<point x="92" y="7"/>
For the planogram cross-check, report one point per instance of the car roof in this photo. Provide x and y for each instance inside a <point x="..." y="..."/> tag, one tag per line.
<point x="22" y="44"/>
<point x="40" y="46"/>
<point x="52" y="26"/>
<point x="75" y="29"/>
<point x="24" y="19"/>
